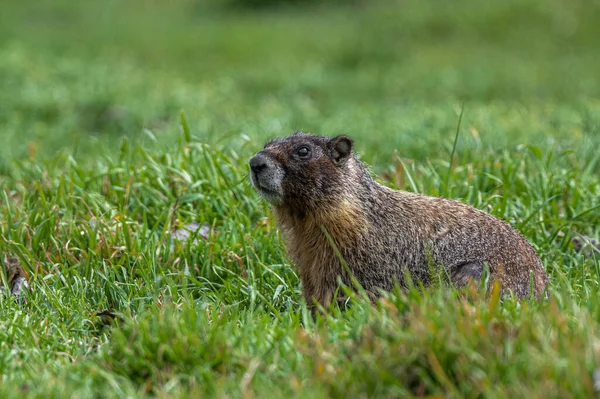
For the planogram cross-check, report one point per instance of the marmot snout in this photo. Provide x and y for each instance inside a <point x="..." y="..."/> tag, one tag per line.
<point x="322" y="193"/>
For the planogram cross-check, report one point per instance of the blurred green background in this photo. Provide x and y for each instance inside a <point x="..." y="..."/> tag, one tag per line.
<point x="76" y="76"/>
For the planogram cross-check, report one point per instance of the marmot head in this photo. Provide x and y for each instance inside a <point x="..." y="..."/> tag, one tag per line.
<point x="302" y="171"/>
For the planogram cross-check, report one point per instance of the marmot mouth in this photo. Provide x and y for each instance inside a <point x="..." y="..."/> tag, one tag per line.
<point x="268" y="191"/>
<point x="260" y="187"/>
<point x="271" y="195"/>
<point x="268" y="194"/>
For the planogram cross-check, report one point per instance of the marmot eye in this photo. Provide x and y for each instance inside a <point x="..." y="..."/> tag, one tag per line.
<point x="303" y="152"/>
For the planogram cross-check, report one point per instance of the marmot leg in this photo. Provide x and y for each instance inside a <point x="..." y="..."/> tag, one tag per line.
<point x="466" y="273"/>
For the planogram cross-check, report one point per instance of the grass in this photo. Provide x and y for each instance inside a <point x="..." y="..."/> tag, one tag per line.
<point x="99" y="168"/>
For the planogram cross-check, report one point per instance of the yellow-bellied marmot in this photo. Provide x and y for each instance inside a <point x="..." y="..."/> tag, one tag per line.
<point x="322" y="194"/>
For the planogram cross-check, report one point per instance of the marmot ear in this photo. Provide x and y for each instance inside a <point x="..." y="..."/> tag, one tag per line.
<point x="340" y="148"/>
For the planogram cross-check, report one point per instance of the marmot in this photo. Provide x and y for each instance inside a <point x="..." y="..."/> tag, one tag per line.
<point x="327" y="204"/>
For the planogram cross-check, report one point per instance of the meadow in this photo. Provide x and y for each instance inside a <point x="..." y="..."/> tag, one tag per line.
<point x="122" y="123"/>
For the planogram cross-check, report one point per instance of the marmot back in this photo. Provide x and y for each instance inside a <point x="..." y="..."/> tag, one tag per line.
<point x="321" y="193"/>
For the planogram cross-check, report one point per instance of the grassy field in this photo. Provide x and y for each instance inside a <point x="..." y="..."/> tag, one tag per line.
<point x="122" y="122"/>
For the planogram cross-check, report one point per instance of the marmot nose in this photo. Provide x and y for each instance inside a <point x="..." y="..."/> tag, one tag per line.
<point x="258" y="163"/>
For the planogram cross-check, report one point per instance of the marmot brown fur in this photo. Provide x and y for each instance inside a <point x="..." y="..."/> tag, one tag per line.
<point x="322" y="193"/>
